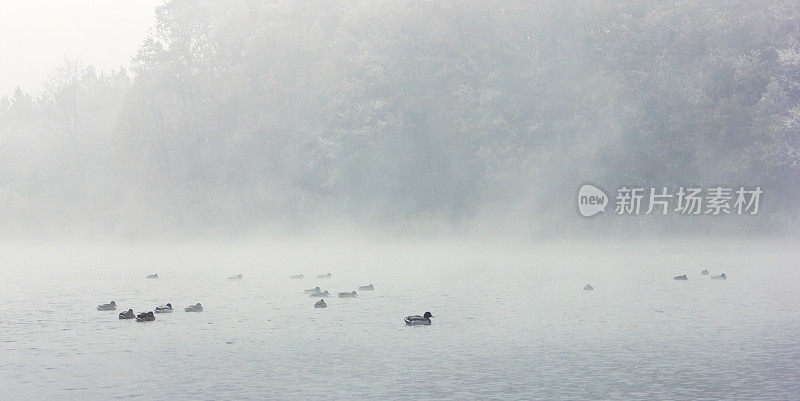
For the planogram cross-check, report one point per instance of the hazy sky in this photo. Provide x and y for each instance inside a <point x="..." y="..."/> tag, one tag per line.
<point x="36" y="35"/>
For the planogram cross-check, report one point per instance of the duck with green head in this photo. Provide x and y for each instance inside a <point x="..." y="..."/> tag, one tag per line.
<point x="417" y="320"/>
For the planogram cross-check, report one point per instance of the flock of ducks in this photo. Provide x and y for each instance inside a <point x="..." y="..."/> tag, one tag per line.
<point x="705" y="272"/>
<point x="316" y="292"/>
<point x="588" y="287"/>
<point x="147" y="316"/>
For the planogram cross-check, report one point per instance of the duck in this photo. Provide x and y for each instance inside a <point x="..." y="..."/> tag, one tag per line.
<point x="682" y="277"/>
<point x="326" y="275"/>
<point x="312" y="290"/>
<point x="236" y="277"/>
<point x="194" y="308"/>
<point x="109" y="306"/>
<point x="296" y="276"/>
<point x="351" y="294"/>
<point x="720" y="277"/>
<point x="705" y="272"/>
<point x="366" y="288"/>
<point x="321" y="304"/>
<point x="588" y="287"/>
<point x="152" y="276"/>
<point x="417" y="320"/>
<point x="319" y="294"/>
<point x="164" y="308"/>
<point x="127" y="315"/>
<point x="145" y="317"/>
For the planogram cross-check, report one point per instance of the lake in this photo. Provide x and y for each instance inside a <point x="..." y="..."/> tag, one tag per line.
<point x="511" y="320"/>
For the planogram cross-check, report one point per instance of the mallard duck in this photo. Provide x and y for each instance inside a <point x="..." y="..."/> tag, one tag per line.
<point x="366" y="288"/>
<point x="681" y="277"/>
<point x="312" y="290"/>
<point x="588" y="287"/>
<point x="109" y="306"/>
<point x="417" y="320"/>
<point x="296" y="276"/>
<point x="145" y="317"/>
<point x="164" y="308"/>
<point x="127" y="315"/>
<point x="152" y="276"/>
<point x="351" y="294"/>
<point x="320" y="294"/>
<point x="194" y="308"/>
<point x="720" y="277"/>
<point x="326" y="275"/>
<point x="705" y="272"/>
<point x="321" y="304"/>
<point x="236" y="277"/>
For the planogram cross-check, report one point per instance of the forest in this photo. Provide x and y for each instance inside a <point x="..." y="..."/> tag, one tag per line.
<point x="241" y="116"/>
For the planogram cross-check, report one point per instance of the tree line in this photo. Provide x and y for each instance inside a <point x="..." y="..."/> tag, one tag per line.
<point x="411" y="116"/>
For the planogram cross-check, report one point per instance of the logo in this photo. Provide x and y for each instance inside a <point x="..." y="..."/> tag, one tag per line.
<point x="591" y="200"/>
<point x="688" y="201"/>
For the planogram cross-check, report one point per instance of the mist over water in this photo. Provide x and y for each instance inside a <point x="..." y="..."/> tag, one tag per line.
<point x="474" y="159"/>
<point x="511" y="321"/>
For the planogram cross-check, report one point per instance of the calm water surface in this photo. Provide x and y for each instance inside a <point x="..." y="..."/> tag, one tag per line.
<point x="511" y="322"/>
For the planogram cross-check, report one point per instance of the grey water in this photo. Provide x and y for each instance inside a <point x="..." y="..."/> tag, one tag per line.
<point x="511" y="321"/>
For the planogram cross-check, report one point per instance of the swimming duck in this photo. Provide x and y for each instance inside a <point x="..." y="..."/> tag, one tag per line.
<point x="236" y="277"/>
<point x="720" y="277"/>
<point x="351" y="294"/>
<point x="321" y="304"/>
<point x="588" y="287"/>
<point x="152" y="276"/>
<point x="326" y="275"/>
<point x="145" y="317"/>
<point x="366" y="288"/>
<point x="164" y="308"/>
<point x="127" y="315"/>
<point x="682" y="277"/>
<point x="705" y="272"/>
<point x="296" y="276"/>
<point x="194" y="308"/>
<point x="109" y="306"/>
<point x="319" y="294"/>
<point x="417" y="320"/>
<point x="312" y="290"/>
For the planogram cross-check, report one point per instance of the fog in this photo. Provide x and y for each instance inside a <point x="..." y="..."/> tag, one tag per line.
<point x="38" y="34"/>
<point x="511" y="320"/>
<point x="239" y="118"/>
<point x="504" y="199"/>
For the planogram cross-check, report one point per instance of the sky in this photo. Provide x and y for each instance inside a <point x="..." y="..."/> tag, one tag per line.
<point x="36" y="36"/>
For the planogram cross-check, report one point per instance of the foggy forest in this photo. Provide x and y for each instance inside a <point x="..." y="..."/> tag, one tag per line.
<point x="243" y="116"/>
<point x="399" y="200"/>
